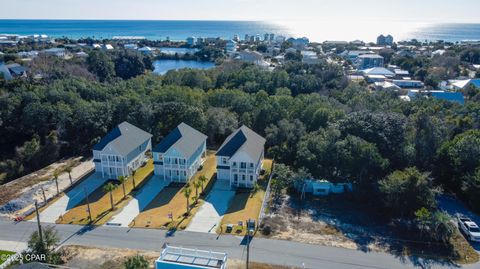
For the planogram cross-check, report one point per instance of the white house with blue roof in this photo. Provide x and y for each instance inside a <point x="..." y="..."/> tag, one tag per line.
<point x="121" y="151"/>
<point x="180" y="154"/>
<point x="240" y="158"/>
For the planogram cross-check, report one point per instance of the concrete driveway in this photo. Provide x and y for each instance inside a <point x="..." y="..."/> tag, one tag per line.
<point x="210" y="214"/>
<point x="148" y="192"/>
<point x="71" y="198"/>
<point x="453" y="206"/>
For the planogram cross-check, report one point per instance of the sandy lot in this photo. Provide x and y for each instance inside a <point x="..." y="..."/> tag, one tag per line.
<point x="111" y="258"/>
<point x="18" y="196"/>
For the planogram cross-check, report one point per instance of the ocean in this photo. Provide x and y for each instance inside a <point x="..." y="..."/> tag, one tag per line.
<point x="179" y="30"/>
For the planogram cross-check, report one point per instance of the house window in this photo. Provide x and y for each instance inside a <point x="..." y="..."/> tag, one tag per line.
<point x="224" y="160"/>
<point x="185" y="173"/>
<point x="175" y="161"/>
<point x="160" y="157"/>
<point x="251" y="165"/>
<point x="251" y="178"/>
<point x="243" y="165"/>
<point x="235" y="177"/>
<point x="234" y="164"/>
<point x="178" y="173"/>
<point x="243" y="177"/>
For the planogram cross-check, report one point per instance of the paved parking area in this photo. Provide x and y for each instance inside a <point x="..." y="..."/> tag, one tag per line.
<point x="210" y="214"/>
<point x="71" y="198"/>
<point x="148" y="192"/>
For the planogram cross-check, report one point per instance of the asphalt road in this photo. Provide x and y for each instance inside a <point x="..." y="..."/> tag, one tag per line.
<point x="262" y="250"/>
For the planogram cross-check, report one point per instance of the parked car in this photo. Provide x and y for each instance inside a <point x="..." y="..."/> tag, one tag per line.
<point x="469" y="228"/>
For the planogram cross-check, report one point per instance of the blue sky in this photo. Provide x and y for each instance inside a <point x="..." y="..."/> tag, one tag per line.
<point x="346" y="11"/>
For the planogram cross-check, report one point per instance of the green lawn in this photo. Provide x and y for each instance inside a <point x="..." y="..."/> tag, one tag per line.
<point x="4" y="255"/>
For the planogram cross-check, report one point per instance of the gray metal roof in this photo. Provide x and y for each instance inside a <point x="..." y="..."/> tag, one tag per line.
<point x="243" y="139"/>
<point x="124" y="138"/>
<point x="184" y="138"/>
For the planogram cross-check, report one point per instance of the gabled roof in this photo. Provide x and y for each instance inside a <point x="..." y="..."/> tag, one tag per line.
<point x="371" y="56"/>
<point x="464" y="83"/>
<point x="378" y="71"/>
<point x="243" y="139"/>
<point x="184" y="139"/>
<point x="124" y="138"/>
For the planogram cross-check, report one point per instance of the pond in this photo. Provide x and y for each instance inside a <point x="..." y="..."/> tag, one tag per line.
<point x="163" y="66"/>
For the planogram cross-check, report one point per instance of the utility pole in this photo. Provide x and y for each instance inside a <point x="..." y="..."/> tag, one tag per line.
<point x="248" y="245"/>
<point x="38" y="222"/>
<point x="88" y="204"/>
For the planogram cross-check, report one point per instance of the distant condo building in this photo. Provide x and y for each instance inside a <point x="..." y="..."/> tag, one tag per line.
<point x="231" y="46"/>
<point x="385" y="40"/>
<point x="191" y="41"/>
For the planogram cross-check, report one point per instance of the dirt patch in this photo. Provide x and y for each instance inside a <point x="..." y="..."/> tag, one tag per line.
<point x="112" y="258"/>
<point x="102" y="258"/>
<point x="17" y="196"/>
<point x="324" y="222"/>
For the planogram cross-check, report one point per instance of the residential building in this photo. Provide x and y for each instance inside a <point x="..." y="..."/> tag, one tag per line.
<point x="408" y="83"/>
<point x="186" y="258"/>
<point x="107" y="47"/>
<point x="180" y="154"/>
<point x="381" y="71"/>
<point x="253" y="57"/>
<point x="322" y="187"/>
<point x="231" y="47"/>
<point x="462" y="84"/>
<point x="385" y="86"/>
<point x="299" y="43"/>
<point x="58" y="52"/>
<point x="367" y="61"/>
<point x="456" y="97"/>
<point x="191" y="41"/>
<point x="309" y="57"/>
<point x="146" y="50"/>
<point x="200" y="41"/>
<point x="130" y="46"/>
<point x="12" y="71"/>
<point x="81" y="54"/>
<point x="121" y="151"/>
<point x="352" y="55"/>
<point x="280" y="39"/>
<point x="240" y="158"/>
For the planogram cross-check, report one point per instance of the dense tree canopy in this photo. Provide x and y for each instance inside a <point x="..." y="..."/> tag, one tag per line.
<point x="313" y="120"/>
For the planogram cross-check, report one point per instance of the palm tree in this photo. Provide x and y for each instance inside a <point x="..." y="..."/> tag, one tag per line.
<point x="110" y="188"/>
<point x="136" y="262"/>
<point x="122" y="181"/>
<point x="197" y="184"/>
<point x="186" y="192"/>
<point x="202" y="180"/>
<point x="55" y="176"/>
<point x="68" y="169"/>
<point x="133" y="177"/>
